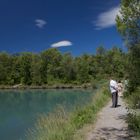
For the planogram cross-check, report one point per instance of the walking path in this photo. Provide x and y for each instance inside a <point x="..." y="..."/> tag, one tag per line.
<point x="111" y="124"/>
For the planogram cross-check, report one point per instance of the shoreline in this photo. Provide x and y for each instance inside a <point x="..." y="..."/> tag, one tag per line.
<point x="71" y="123"/>
<point x="55" y="86"/>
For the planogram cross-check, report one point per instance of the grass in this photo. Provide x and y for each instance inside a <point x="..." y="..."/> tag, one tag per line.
<point x="61" y="125"/>
<point x="133" y="118"/>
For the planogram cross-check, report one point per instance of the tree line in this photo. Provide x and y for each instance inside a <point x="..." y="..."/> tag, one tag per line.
<point x="51" y="67"/>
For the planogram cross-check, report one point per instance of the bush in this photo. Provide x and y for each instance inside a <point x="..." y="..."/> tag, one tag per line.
<point x="134" y="99"/>
<point x="133" y="121"/>
<point x="133" y="118"/>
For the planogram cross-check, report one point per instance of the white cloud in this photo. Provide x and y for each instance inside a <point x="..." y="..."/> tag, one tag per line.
<point x="40" y="23"/>
<point x="61" y="44"/>
<point x="107" y="19"/>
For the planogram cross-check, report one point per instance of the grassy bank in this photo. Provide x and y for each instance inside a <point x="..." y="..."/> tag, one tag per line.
<point x="61" y="125"/>
<point x="133" y="118"/>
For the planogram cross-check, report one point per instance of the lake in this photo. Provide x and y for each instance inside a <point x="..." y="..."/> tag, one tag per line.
<point x="19" y="109"/>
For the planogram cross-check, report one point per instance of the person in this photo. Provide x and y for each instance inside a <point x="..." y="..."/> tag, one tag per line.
<point x="120" y="88"/>
<point x="114" y="92"/>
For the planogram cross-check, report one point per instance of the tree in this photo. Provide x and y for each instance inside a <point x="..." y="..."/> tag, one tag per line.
<point x="128" y="24"/>
<point x="83" y="68"/>
<point x="36" y="70"/>
<point x="5" y="68"/>
<point x="68" y="68"/>
<point x="100" y="51"/>
<point x="115" y="62"/>
<point x="25" y="68"/>
<point x="16" y="70"/>
<point x="50" y="65"/>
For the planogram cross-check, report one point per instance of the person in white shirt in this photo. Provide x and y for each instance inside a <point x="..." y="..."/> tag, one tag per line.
<point x="114" y="92"/>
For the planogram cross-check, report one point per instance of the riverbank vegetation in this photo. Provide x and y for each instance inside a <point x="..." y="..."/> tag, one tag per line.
<point x="61" y="125"/>
<point x="128" y="24"/>
<point x="133" y="118"/>
<point x="50" y="68"/>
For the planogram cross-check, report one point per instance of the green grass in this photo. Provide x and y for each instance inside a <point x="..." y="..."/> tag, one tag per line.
<point x="133" y="119"/>
<point x="61" y="125"/>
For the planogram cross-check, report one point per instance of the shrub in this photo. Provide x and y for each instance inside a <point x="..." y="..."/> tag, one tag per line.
<point x="133" y="121"/>
<point x="133" y="118"/>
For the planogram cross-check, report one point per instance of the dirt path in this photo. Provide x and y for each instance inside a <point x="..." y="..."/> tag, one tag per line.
<point x="111" y="124"/>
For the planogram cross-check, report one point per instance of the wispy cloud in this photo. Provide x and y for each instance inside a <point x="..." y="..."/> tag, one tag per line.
<point x="40" y="23"/>
<point x="107" y="19"/>
<point x="61" y="44"/>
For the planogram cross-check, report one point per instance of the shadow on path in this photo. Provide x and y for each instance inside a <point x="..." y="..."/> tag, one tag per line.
<point x="112" y="134"/>
<point x="111" y="124"/>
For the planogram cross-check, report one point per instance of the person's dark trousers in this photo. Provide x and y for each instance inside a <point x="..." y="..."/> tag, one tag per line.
<point x="114" y="99"/>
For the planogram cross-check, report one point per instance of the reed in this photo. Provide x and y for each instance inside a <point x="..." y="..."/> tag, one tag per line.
<point x="61" y="125"/>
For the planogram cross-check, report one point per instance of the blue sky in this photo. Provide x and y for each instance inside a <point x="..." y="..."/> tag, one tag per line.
<point x="76" y="26"/>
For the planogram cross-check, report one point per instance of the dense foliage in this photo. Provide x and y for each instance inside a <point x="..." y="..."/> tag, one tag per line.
<point x="128" y="23"/>
<point x="51" y="67"/>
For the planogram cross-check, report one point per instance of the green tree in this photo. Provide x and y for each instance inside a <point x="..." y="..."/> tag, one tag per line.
<point x="83" y="69"/>
<point x="25" y="68"/>
<point x="115" y="62"/>
<point x="128" y="24"/>
<point x="5" y="68"/>
<point x="101" y="51"/>
<point x="16" y="70"/>
<point x="36" y="70"/>
<point x="50" y="65"/>
<point x="68" y="69"/>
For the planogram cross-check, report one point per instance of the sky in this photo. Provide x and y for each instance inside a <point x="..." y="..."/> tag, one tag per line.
<point x="76" y="26"/>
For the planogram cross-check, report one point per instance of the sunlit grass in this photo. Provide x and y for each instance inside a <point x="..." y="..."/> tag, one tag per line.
<point x="61" y="125"/>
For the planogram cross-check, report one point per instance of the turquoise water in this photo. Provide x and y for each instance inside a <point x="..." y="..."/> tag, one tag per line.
<point x="20" y="109"/>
